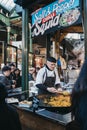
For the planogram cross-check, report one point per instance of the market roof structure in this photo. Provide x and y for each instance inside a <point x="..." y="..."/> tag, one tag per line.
<point x="8" y="5"/>
<point x="9" y="13"/>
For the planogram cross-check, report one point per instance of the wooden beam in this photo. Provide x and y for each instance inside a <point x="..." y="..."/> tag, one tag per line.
<point x="73" y="29"/>
<point x="29" y="3"/>
<point x="62" y="36"/>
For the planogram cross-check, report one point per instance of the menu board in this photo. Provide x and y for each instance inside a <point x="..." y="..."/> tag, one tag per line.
<point x="57" y="15"/>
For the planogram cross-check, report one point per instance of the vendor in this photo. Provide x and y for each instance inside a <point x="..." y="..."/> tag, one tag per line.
<point x="47" y="80"/>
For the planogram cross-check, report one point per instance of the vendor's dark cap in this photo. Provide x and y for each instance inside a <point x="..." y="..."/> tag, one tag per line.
<point x="51" y="59"/>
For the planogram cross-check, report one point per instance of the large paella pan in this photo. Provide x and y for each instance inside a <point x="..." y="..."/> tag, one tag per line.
<point x="57" y="103"/>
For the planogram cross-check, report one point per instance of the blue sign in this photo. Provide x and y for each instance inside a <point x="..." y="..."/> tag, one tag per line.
<point x="60" y="13"/>
<point x="58" y="6"/>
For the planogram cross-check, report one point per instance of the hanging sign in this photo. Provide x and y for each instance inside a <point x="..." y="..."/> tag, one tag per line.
<point x="57" y="15"/>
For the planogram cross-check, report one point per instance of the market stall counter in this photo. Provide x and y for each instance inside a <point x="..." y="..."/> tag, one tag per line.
<point x="39" y="117"/>
<point x="43" y="119"/>
<point x="39" y="120"/>
<point x="37" y="114"/>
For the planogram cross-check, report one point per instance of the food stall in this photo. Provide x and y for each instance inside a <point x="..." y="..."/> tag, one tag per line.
<point x="43" y="119"/>
<point x="37" y="118"/>
<point x="52" y="110"/>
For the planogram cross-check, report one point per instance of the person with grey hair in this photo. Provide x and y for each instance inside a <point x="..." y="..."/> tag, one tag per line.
<point x="47" y="80"/>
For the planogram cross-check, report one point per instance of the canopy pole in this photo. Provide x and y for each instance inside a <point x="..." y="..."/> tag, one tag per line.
<point x="25" y="51"/>
<point x="85" y="27"/>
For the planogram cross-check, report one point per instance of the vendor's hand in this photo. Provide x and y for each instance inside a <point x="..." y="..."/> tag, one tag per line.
<point x="51" y="89"/>
<point x="59" y="90"/>
<point x="13" y="86"/>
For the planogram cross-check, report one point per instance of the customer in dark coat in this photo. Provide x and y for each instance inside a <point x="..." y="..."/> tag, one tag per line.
<point x="17" y="77"/>
<point x="4" y="77"/>
<point x="13" y="67"/>
<point x="79" y="98"/>
<point x="11" y="76"/>
<point x="9" y="118"/>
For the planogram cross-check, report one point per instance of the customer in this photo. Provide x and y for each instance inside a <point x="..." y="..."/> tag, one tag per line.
<point x="32" y="74"/>
<point x="4" y="77"/>
<point x="37" y="69"/>
<point x="9" y="118"/>
<point x="79" y="98"/>
<point x="47" y="79"/>
<point x="17" y="78"/>
<point x="59" y="66"/>
<point x="13" y="67"/>
<point x="11" y="77"/>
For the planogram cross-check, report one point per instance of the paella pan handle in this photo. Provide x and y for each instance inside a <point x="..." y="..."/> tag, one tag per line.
<point x="35" y="104"/>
